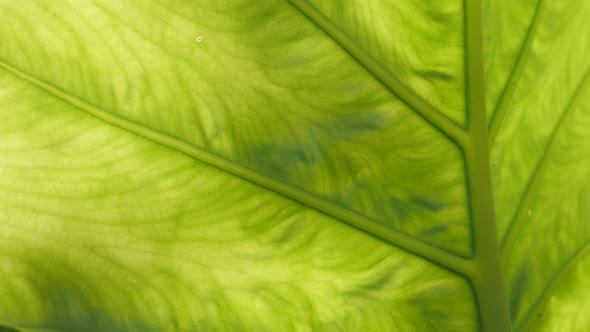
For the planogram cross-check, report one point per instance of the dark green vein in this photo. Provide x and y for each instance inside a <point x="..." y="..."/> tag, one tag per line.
<point x="408" y="243"/>
<point x="419" y="105"/>
<point x="520" y="215"/>
<point x="556" y="281"/>
<point x="487" y="282"/>
<point x="516" y="73"/>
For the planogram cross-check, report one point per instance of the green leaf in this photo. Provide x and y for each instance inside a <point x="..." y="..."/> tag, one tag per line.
<point x="294" y="165"/>
<point x="541" y="134"/>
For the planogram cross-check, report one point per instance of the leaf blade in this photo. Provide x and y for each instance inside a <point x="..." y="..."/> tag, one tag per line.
<point x="247" y="62"/>
<point x="540" y="162"/>
<point x="105" y="230"/>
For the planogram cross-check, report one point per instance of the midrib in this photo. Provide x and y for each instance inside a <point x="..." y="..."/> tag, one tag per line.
<point x="488" y="282"/>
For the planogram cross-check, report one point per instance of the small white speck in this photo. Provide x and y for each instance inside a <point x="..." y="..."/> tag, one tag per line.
<point x="199" y="39"/>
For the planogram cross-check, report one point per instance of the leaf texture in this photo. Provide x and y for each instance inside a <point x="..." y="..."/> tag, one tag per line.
<point x="254" y="71"/>
<point x="294" y="165"/>
<point x="541" y="157"/>
<point x="426" y="53"/>
<point x="127" y="235"/>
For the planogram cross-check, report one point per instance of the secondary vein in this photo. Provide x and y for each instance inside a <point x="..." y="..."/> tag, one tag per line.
<point x="372" y="227"/>
<point x="555" y="282"/>
<point x="516" y="73"/>
<point x="519" y="217"/>
<point x="415" y="102"/>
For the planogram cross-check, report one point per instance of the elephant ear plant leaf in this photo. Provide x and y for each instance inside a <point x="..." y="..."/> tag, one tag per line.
<point x="302" y="165"/>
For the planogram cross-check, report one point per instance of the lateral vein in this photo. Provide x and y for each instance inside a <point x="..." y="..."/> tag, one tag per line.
<point x="415" y="102"/>
<point x="372" y="227"/>
<point x="516" y="73"/>
<point x="555" y="282"/>
<point x="518" y="220"/>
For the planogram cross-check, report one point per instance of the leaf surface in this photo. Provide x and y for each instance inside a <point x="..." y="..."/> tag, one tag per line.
<point x="292" y="165"/>
<point x="540" y="155"/>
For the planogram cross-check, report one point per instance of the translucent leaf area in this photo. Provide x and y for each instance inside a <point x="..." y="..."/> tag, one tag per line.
<point x="266" y="88"/>
<point x="105" y="231"/>
<point x="294" y="165"/>
<point x="419" y="42"/>
<point x="540" y="157"/>
<point x="566" y="307"/>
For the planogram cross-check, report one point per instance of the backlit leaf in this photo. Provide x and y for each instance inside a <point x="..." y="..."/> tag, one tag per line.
<point x="175" y="165"/>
